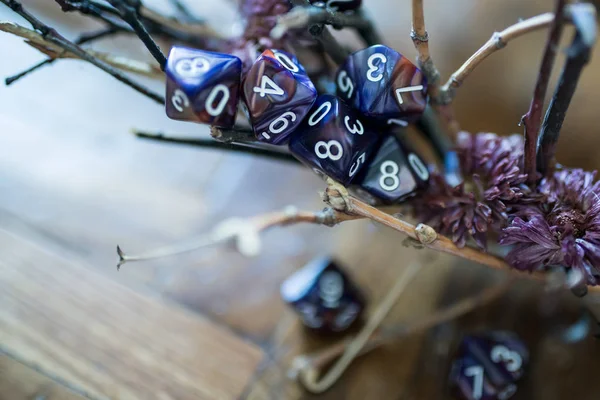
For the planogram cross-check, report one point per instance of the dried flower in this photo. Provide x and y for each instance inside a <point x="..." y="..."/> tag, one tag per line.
<point x="494" y="181"/>
<point x="564" y="230"/>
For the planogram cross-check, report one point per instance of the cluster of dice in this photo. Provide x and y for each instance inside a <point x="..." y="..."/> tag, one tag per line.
<point x="487" y="366"/>
<point x="348" y="136"/>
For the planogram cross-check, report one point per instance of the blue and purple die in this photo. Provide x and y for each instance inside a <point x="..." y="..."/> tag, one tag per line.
<point x="203" y="86"/>
<point x="395" y="172"/>
<point x="324" y="296"/>
<point x="383" y="84"/>
<point x="334" y="140"/>
<point x="278" y="94"/>
<point x="488" y="366"/>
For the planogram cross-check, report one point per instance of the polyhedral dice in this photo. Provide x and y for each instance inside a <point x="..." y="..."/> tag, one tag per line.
<point x="323" y="296"/>
<point x="394" y="172"/>
<point x="339" y="5"/>
<point x="333" y="140"/>
<point x="278" y="94"/>
<point x="488" y="366"/>
<point x="203" y="86"/>
<point x="382" y="84"/>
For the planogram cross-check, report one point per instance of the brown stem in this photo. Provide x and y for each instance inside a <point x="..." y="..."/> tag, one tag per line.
<point x="241" y="230"/>
<point x="532" y="120"/>
<point x="498" y="41"/>
<point x="338" y="198"/>
<point x="420" y="39"/>
<point x="314" y="362"/>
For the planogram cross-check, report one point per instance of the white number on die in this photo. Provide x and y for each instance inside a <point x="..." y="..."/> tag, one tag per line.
<point x="280" y="124"/>
<point x="339" y="151"/>
<point x="191" y="67"/>
<point x="345" y="83"/>
<point x="476" y="371"/>
<point x="286" y="62"/>
<point x="511" y="359"/>
<point x="331" y="288"/>
<point x="397" y="122"/>
<point x="374" y="67"/>
<point x="320" y="113"/>
<point x="356" y="127"/>
<point x="406" y="89"/>
<point x="211" y="109"/>
<point x="267" y="86"/>
<point x="180" y="100"/>
<point x="418" y="166"/>
<point x="354" y="168"/>
<point x="389" y="172"/>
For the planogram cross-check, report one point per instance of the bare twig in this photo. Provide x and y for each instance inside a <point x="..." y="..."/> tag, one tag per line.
<point x="369" y="33"/>
<point x="578" y="55"/>
<point x="244" y="231"/>
<point x="54" y="37"/>
<point x="85" y="38"/>
<point x="214" y="144"/>
<point x="338" y="197"/>
<point x="55" y="51"/>
<point x="533" y="118"/>
<point x="129" y="13"/>
<point x="420" y="39"/>
<point x="305" y="364"/>
<point x="232" y="135"/>
<point x="496" y="42"/>
<point x="309" y="376"/>
<point x="304" y="16"/>
<point x="185" y="12"/>
<point x="322" y="34"/>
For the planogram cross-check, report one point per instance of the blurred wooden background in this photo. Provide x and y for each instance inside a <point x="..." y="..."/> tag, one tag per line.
<point x="74" y="183"/>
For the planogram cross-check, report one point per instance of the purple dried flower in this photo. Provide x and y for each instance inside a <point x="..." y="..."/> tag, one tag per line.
<point x="494" y="181"/>
<point x="564" y="230"/>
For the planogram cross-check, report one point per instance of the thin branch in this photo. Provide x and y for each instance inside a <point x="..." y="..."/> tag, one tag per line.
<point x="420" y="39"/>
<point x="214" y="144"/>
<point x="245" y="232"/>
<point x="304" y="16"/>
<point x="337" y="196"/>
<point x="498" y="41"/>
<point x="55" y="51"/>
<point x="578" y="55"/>
<point x="309" y="377"/>
<point x="320" y="33"/>
<point x="310" y="364"/>
<point x="533" y="118"/>
<point x="85" y="38"/>
<point x="130" y="15"/>
<point x="232" y="135"/>
<point x="54" y="37"/>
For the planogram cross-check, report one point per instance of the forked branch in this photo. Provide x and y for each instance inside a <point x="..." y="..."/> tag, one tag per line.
<point x="51" y="35"/>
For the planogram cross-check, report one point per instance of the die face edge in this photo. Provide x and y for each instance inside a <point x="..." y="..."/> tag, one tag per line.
<point x="304" y="277"/>
<point x="388" y="189"/>
<point x="268" y="127"/>
<point x="178" y="106"/>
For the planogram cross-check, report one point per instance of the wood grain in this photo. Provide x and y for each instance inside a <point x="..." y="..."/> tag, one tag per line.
<point x="19" y="382"/>
<point x="109" y="340"/>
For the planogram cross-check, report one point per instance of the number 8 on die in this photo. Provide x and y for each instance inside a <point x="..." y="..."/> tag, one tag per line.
<point x="334" y="140"/>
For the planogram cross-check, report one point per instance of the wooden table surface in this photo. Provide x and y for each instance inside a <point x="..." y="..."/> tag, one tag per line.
<point x="74" y="183"/>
